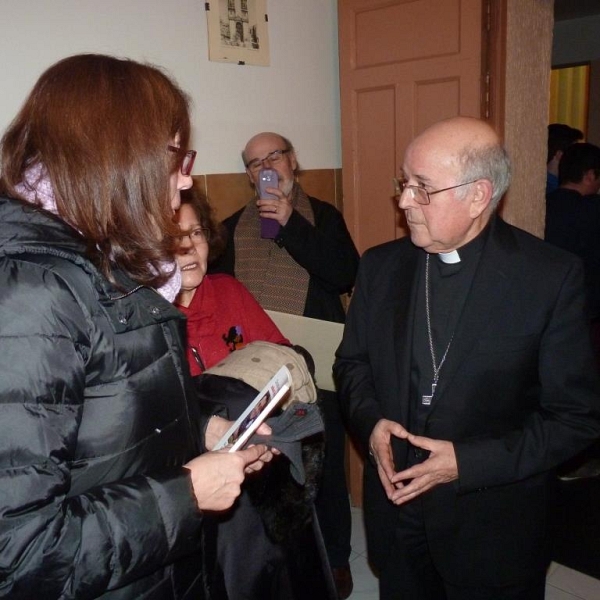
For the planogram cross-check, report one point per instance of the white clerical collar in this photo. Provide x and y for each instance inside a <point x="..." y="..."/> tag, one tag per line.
<point x="450" y="258"/>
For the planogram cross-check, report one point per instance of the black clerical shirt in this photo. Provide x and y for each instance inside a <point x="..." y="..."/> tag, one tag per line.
<point x="449" y="285"/>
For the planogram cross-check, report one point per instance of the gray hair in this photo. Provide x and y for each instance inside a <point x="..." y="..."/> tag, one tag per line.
<point x="487" y="162"/>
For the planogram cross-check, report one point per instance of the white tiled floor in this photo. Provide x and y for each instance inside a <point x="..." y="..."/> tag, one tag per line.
<point x="562" y="583"/>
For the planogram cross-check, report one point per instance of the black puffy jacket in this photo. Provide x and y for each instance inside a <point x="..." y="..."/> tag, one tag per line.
<point x="95" y="425"/>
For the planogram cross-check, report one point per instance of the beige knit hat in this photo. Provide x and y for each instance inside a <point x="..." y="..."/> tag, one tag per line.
<point x="257" y="362"/>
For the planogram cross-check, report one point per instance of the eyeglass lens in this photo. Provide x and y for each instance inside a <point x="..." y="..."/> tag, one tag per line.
<point x="273" y="157"/>
<point x="198" y="235"/>
<point x="418" y="193"/>
<point x="188" y="162"/>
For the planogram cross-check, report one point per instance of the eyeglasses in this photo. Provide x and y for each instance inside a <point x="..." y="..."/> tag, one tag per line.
<point x="199" y="235"/>
<point x="418" y="193"/>
<point x="187" y="161"/>
<point x="273" y="158"/>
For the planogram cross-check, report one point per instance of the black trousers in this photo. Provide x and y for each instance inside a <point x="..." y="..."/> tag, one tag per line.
<point x="409" y="573"/>
<point x="333" y="502"/>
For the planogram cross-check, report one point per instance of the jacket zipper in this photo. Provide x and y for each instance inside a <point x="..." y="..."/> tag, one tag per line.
<point x="197" y="357"/>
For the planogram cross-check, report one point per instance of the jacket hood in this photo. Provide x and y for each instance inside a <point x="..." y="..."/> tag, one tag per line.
<point x="29" y="228"/>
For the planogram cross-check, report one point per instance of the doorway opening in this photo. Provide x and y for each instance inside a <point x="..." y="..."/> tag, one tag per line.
<point x="570" y="96"/>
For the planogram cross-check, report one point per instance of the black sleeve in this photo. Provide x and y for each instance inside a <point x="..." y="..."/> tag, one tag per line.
<point x="325" y="250"/>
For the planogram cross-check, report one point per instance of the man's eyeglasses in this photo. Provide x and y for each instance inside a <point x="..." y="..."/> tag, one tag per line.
<point x="199" y="235"/>
<point x="274" y="157"/>
<point x="187" y="162"/>
<point x="418" y="193"/>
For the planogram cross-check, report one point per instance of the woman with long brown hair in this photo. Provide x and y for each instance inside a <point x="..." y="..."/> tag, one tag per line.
<point x="103" y="469"/>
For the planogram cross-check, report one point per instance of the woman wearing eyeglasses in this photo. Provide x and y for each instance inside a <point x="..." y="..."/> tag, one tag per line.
<point x="103" y="471"/>
<point x="259" y="553"/>
<point x="222" y="314"/>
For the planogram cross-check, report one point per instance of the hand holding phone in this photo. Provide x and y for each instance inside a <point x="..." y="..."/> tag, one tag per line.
<point x="268" y="178"/>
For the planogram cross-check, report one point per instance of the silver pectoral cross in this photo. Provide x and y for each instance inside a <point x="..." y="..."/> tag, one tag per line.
<point x="426" y="400"/>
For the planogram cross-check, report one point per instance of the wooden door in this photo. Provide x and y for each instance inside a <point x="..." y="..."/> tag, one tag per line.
<point x="404" y="64"/>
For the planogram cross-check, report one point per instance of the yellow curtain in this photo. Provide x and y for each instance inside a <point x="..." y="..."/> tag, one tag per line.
<point x="569" y="93"/>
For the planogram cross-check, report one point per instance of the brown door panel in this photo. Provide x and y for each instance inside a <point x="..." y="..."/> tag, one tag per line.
<point x="403" y="66"/>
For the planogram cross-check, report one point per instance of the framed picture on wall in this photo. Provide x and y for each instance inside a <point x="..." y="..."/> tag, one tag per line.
<point x="238" y="32"/>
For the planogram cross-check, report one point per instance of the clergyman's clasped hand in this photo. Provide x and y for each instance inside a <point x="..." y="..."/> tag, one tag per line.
<point x="402" y="486"/>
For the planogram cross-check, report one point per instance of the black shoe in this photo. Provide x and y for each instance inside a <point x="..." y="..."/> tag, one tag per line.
<point x="587" y="470"/>
<point x="342" y="577"/>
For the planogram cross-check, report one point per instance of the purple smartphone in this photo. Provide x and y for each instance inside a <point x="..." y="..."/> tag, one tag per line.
<point x="268" y="178"/>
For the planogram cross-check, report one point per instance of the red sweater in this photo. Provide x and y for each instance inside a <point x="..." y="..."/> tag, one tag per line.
<point x="222" y="317"/>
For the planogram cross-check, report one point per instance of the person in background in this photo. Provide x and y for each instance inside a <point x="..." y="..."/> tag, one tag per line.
<point x="252" y="562"/>
<point x="466" y="372"/>
<point x="222" y="315"/>
<point x="560" y="137"/>
<point x="104" y="478"/>
<point x="573" y="223"/>
<point x="573" y="214"/>
<point x="303" y="271"/>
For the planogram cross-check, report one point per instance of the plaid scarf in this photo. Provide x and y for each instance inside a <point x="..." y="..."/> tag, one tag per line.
<point x="275" y="279"/>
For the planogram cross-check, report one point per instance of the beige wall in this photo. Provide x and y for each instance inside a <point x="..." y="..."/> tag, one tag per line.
<point x="297" y="95"/>
<point x="529" y="26"/>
